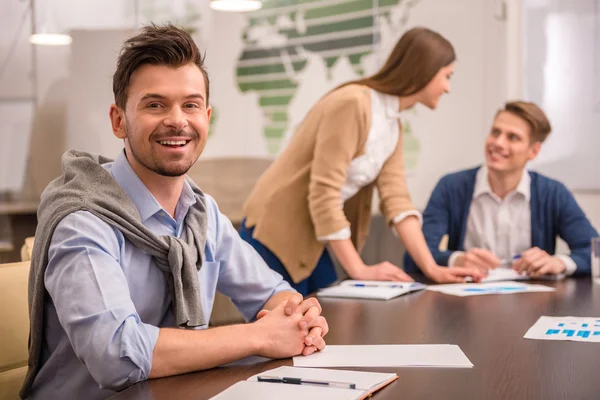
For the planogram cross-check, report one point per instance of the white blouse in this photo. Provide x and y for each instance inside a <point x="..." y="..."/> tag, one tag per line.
<point x="381" y="143"/>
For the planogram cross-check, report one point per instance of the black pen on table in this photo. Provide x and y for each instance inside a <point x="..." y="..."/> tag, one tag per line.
<point x="300" y="381"/>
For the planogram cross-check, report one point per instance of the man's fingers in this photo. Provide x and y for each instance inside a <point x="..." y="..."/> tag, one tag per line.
<point x="319" y="343"/>
<point x="538" y="255"/>
<point x="518" y="265"/>
<point x="292" y="303"/>
<point x="545" y="269"/>
<point x="472" y="261"/>
<point x="530" y="252"/>
<point x="308" y="350"/>
<point x="314" y="334"/>
<point x="320" y="322"/>
<point x="261" y="314"/>
<point x="311" y="315"/>
<point x="537" y="263"/>
<point x="487" y="257"/>
<point x="309" y="302"/>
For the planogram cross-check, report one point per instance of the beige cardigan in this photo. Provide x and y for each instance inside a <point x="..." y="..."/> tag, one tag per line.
<point x="298" y="197"/>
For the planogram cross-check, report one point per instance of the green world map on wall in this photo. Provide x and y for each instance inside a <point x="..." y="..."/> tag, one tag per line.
<point x="279" y="35"/>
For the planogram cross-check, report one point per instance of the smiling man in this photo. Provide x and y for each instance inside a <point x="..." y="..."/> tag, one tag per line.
<point x="501" y="215"/>
<point x="128" y="252"/>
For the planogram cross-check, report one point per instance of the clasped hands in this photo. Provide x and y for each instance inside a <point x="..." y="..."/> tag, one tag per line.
<point x="302" y="320"/>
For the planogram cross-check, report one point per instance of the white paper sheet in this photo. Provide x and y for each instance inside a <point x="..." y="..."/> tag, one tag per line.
<point x="477" y="289"/>
<point x="277" y="391"/>
<point x="425" y="355"/>
<point x="504" y="274"/>
<point x="576" y="329"/>
<point x="509" y="274"/>
<point x="377" y="290"/>
<point x="362" y="380"/>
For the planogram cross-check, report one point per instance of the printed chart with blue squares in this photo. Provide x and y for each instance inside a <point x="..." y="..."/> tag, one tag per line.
<point x="578" y="329"/>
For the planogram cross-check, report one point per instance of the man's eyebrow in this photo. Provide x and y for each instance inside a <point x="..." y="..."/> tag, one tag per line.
<point x="156" y="96"/>
<point x="195" y="96"/>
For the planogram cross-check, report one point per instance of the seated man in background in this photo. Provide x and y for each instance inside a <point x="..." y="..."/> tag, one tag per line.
<point x="129" y="252"/>
<point x="500" y="214"/>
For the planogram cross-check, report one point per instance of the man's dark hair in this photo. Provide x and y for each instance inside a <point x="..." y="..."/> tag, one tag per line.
<point x="155" y="45"/>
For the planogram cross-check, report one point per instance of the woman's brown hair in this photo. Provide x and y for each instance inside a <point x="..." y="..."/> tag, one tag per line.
<point x="413" y="63"/>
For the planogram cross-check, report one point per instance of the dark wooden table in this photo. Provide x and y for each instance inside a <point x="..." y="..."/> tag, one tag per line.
<point x="489" y="329"/>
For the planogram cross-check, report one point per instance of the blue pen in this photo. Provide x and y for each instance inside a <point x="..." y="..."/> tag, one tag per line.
<point x="373" y="285"/>
<point x="510" y="261"/>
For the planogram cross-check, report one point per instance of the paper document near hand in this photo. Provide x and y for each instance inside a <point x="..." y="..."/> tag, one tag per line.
<point x="504" y="274"/>
<point x="477" y="289"/>
<point x="576" y="329"/>
<point x="279" y="391"/>
<point x="423" y="355"/>
<point x="509" y="274"/>
<point x="365" y="384"/>
<point x="378" y="290"/>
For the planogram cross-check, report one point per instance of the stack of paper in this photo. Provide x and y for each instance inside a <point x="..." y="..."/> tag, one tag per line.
<point x="311" y="383"/>
<point x="477" y="289"/>
<point x="377" y="290"/>
<point x="423" y="355"/>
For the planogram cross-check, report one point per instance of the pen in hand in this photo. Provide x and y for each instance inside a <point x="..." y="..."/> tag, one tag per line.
<point x="509" y="261"/>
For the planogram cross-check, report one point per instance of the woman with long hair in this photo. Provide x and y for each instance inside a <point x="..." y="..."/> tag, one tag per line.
<point x="318" y="191"/>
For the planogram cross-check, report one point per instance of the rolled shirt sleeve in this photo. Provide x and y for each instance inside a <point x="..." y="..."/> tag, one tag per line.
<point x="402" y="216"/>
<point x="570" y="265"/>
<point x="90" y="292"/>
<point x="342" y="234"/>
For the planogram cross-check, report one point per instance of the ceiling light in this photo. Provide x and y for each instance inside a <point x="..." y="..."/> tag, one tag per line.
<point x="236" y="5"/>
<point x="50" y="39"/>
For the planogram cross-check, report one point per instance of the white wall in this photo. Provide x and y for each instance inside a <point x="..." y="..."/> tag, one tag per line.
<point x="74" y="89"/>
<point x="562" y="74"/>
<point x="590" y="203"/>
<point x="90" y="90"/>
<point x="561" y="48"/>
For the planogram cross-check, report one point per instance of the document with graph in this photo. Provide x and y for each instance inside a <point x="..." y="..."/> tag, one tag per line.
<point x="478" y="289"/>
<point x="578" y="329"/>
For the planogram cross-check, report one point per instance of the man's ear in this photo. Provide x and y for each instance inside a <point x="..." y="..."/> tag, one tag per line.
<point x="117" y="121"/>
<point x="534" y="150"/>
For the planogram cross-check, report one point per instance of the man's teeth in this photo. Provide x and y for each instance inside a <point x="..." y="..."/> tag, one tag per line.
<point x="172" y="142"/>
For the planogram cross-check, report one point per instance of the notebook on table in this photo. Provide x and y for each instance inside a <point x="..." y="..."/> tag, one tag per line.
<point x="309" y="383"/>
<point x="378" y="290"/>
